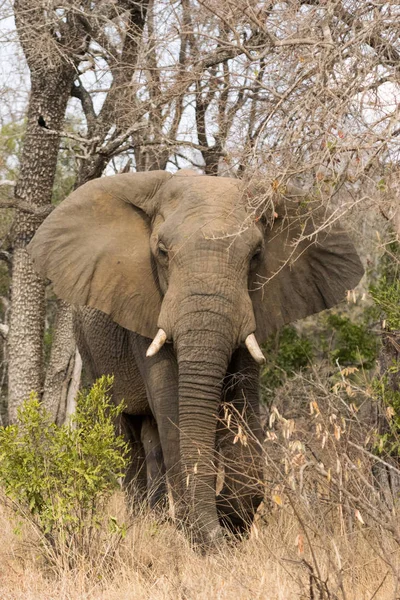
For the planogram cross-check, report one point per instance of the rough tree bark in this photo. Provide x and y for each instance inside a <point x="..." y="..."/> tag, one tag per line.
<point x="52" y="67"/>
<point x="62" y="367"/>
<point x="38" y="164"/>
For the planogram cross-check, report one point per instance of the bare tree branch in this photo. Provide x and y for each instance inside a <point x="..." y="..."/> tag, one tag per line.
<point x="7" y="182"/>
<point x="27" y="207"/>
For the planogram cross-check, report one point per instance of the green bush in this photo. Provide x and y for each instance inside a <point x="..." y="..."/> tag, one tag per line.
<point x="388" y="440"/>
<point x="386" y="296"/>
<point x="333" y="338"/>
<point x="353" y="344"/>
<point x="386" y="293"/>
<point x="285" y="352"/>
<point x="60" y="478"/>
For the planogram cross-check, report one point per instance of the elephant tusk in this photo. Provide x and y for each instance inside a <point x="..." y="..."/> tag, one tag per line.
<point x="254" y="349"/>
<point x="157" y="343"/>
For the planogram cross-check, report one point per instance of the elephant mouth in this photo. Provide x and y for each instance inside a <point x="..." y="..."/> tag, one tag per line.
<point x="250" y="343"/>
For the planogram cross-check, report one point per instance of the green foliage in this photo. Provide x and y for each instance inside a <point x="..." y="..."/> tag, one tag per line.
<point x="386" y="296"/>
<point x="10" y="148"/>
<point x="47" y="342"/>
<point x="386" y="293"/>
<point x="60" y="478"/>
<point x="331" y="337"/>
<point x="388" y="442"/>
<point x="353" y="344"/>
<point x="10" y="138"/>
<point x="285" y="353"/>
<point x="11" y="141"/>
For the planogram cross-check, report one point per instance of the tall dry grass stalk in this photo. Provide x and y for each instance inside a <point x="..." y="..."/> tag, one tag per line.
<point x="325" y="531"/>
<point x="298" y="549"/>
<point x="156" y="563"/>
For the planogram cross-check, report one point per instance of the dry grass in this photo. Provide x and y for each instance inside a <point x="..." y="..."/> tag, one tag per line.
<point x="325" y="531"/>
<point x="155" y="562"/>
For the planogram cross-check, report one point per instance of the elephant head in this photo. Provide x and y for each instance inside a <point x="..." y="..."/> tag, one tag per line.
<point x="180" y="258"/>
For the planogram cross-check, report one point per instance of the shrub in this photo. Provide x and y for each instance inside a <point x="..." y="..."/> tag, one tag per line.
<point x="388" y="440"/>
<point x="353" y="344"/>
<point x="60" y="478"/>
<point x="285" y="352"/>
<point x="386" y="293"/>
<point x="386" y="388"/>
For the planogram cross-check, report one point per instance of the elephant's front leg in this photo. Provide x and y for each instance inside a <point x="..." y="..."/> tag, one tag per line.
<point x="135" y="480"/>
<point x="155" y="467"/>
<point x="160" y="376"/>
<point x="239" y="443"/>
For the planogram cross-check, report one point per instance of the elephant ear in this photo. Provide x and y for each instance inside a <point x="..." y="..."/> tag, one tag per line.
<point x="95" y="248"/>
<point x="303" y="270"/>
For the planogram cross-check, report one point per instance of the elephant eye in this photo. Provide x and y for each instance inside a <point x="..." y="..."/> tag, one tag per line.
<point x="256" y="253"/>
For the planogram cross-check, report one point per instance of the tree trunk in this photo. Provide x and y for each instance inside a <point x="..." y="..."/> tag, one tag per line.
<point x="49" y="96"/>
<point x="61" y="369"/>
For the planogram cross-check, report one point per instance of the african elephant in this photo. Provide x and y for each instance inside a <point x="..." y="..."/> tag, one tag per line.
<point x="180" y="258"/>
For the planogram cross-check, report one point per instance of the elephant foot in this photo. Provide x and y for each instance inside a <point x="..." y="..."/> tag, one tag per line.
<point x="205" y="534"/>
<point x="206" y="541"/>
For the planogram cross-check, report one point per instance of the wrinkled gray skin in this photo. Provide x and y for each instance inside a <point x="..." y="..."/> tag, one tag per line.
<point x="152" y="250"/>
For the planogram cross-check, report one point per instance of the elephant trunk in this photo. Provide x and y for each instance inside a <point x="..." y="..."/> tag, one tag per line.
<point x="204" y="344"/>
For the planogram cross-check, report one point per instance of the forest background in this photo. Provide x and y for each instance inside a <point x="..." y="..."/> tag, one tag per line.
<point x="286" y="94"/>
